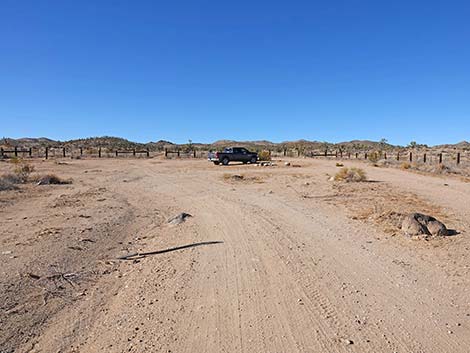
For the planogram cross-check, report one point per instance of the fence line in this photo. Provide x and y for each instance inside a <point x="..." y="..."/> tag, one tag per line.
<point x="96" y="152"/>
<point x="426" y="157"/>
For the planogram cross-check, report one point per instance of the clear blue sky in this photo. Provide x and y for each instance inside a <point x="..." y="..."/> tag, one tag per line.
<point x="207" y="70"/>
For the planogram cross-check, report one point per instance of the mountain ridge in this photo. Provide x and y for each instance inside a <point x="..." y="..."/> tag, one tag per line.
<point x="122" y="143"/>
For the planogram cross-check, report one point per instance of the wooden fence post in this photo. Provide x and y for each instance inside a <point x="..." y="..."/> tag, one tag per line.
<point x="411" y="156"/>
<point x="357" y="155"/>
<point x="194" y="153"/>
<point x="148" y="153"/>
<point x="365" y="155"/>
<point x="341" y="154"/>
<point x="133" y="152"/>
<point x="63" y="151"/>
<point x="424" y="158"/>
<point x="285" y="152"/>
<point x="385" y="155"/>
<point x="178" y="152"/>
<point x="398" y="156"/>
<point x="116" y="153"/>
<point x="166" y="152"/>
<point x="99" y="152"/>
<point x="30" y="151"/>
<point x="440" y="158"/>
<point x="81" y="151"/>
<point x="458" y="157"/>
<point x="47" y="152"/>
<point x="16" y="151"/>
<point x="336" y="154"/>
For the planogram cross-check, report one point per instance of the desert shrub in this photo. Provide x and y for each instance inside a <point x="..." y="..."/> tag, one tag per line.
<point x="49" y="179"/>
<point x="23" y="170"/>
<point x="351" y="175"/>
<point x="374" y="157"/>
<point x="233" y="177"/>
<point x="11" y="178"/>
<point x="264" y="156"/>
<point x="442" y="169"/>
<point x="8" y="181"/>
<point x="405" y="165"/>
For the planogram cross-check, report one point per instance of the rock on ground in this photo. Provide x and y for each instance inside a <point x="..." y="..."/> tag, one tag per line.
<point x="178" y="219"/>
<point x="417" y="224"/>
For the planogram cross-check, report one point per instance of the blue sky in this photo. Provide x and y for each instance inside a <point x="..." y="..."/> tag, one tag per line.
<point x="247" y="70"/>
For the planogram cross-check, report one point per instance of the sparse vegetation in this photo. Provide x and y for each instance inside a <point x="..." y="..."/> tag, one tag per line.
<point x="233" y="177"/>
<point x="405" y="165"/>
<point x="264" y="156"/>
<point x="23" y="170"/>
<point x="374" y="157"/>
<point x="8" y="182"/>
<point x="50" y="179"/>
<point x="351" y="175"/>
<point x="242" y="178"/>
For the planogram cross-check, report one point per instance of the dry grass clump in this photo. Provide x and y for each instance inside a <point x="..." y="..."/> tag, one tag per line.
<point x="264" y="156"/>
<point x="382" y="204"/>
<point x="233" y="177"/>
<point x="8" y="182"/>
<point x="405" y="165"/>
<point x="374" y="157"/>
<point x="240" y="177"/>
<point x="351" y="175"/>
<point x="20" y="175"/>
<point x="51" y="179"/>
<point x="23" y="170"/>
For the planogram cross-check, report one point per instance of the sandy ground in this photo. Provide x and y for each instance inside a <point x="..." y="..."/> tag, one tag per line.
<point x="302" y="264"/>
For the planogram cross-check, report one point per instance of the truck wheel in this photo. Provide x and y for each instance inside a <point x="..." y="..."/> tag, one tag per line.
<point x="225" y="161"/>
<point x="253" y="160"/>
<point x="217" y="163"/>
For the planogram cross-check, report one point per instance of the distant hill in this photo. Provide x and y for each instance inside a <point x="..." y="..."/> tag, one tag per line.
<point x="113" y="143"/>
<point x="242" y="143"/>
<point x="464" y="145"/>
<point x="27" y="142"/>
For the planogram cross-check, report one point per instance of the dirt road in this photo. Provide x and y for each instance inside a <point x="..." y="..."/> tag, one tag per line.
<point x="299" y="268"/>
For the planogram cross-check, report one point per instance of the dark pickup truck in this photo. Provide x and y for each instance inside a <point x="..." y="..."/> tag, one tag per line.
<point x="233" y="154"/>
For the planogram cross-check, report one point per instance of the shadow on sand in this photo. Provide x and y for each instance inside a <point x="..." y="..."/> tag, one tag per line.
<point x="140" y="255"/>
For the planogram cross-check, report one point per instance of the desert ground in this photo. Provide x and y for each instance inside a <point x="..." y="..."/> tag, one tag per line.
<point x="278" y="259"/>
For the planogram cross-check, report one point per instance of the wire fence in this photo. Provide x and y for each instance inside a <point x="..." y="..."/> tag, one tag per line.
<point x="446" y="157"/>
